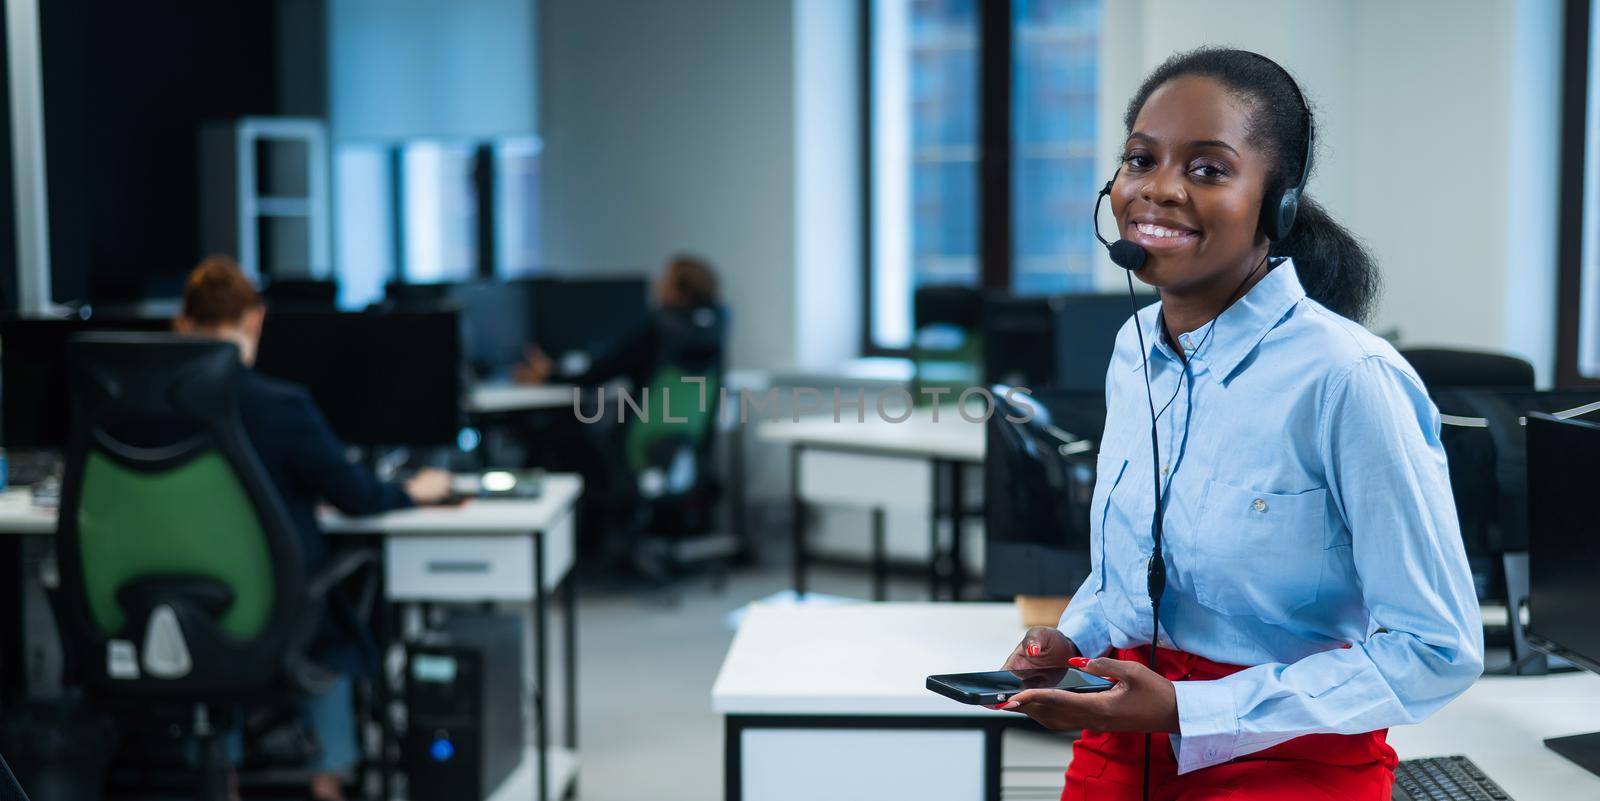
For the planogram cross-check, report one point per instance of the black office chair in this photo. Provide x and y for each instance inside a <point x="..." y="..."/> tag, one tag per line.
<point x="182" y="587"/>
<point x="1038" y="484"/>
<point x="1485" y="447"/>
<point x="673" y="487"/>
<point x="1444" y="368"/>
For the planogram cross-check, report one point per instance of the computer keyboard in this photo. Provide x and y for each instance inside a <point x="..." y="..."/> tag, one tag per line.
<point x="1450" y="778"/>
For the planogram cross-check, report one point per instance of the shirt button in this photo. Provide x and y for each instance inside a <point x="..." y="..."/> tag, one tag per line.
<point x="1258" y="505"/>
<point x="1187" y="345"/>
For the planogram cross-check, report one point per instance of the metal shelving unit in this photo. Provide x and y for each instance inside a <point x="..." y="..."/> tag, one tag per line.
<point x="264" y="195"/>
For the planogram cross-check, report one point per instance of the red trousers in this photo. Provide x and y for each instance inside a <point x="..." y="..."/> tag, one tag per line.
<point x="1109" y="766"/>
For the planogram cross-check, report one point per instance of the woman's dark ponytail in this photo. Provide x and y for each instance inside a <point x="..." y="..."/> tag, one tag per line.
<point x="1334" y="267"/>
<point x="1332" y="264"/>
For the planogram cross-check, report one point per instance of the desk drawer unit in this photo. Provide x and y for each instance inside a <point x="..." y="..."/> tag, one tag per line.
<point x="865" y="480"/>
<point x="810" y="764"/>
<point x="449" y="567"/>
<point x="454" y="568"/>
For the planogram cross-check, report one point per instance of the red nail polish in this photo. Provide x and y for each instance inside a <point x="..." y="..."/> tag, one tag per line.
<point x="1079" y="662"/>
<point x="1033" y="649"/>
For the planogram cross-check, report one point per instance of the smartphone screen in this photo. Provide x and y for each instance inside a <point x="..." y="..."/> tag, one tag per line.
<point x="1011" y="681"/>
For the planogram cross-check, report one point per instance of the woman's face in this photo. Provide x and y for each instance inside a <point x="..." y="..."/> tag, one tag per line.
<point x="1190" y="187"/>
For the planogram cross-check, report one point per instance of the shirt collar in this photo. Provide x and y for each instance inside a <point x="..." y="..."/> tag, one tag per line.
<point x="1239" y="328"/>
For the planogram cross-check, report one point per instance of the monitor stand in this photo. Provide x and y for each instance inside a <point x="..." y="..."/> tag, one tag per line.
<point x="1525" y="660"/>
<point x="1583" y="749"/>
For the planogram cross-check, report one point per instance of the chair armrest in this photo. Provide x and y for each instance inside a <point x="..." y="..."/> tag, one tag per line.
<point x="301" y="671"/>
<point x="339" y="569"/>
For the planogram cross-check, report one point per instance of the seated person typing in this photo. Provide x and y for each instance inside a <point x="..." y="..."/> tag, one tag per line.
<point x="307" y="464"/>
<point x="687" y="315"/>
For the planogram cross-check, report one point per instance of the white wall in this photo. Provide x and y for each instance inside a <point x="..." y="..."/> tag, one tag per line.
<point x="1430" y="164"/>
<point x="669" y="126"/>
<point x="436" y="68"/>
<point x="1425" y="152"/>
<point x="728" y="127"/>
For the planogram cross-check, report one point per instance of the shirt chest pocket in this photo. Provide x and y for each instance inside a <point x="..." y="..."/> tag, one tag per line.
<point x="1259" y="553"/>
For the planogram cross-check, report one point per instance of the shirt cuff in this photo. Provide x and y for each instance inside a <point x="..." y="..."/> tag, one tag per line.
<point x="1208" y="725"/>
<point x="1084" y="632"/>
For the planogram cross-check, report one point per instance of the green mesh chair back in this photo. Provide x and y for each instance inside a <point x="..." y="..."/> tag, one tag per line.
<point x="667" y="451"/>
<point x="191" y="519"/>
<point x="171" y="538"/>
<point x="673" y="412"/>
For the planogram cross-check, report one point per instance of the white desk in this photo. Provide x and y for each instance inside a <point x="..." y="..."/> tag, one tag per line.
<point x="1501" y="723"/>
<point x="484" y="550"/>
<point x="951" y="437"/>
<point x="877" y="464"/>
<point x="829" y="702"/>
<point x="501" y="397"/>
<point x="487" y="550"/>
<point x="18" y="515"/>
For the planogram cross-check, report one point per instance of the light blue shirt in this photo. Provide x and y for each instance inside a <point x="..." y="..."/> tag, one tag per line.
<point x="1310" y="511"/>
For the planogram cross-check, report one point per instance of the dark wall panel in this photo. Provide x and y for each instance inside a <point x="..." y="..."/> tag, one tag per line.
<point x="8" y="211"/>
<point x="127" y="87"/>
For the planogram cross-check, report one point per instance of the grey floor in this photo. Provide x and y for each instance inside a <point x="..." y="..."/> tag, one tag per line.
<point x="648" y="658"/>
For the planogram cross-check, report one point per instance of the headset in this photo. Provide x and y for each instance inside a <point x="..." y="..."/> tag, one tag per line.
<point x="1278" y="212"/>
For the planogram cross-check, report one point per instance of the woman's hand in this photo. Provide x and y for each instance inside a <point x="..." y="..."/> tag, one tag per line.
<point x="1141" y="701"/>
<point x="535" y="367"/>
<point x="429" y="486"/>
<point x="1041" y="647"/>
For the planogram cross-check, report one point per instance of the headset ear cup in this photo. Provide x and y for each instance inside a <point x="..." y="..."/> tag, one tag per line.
<point x="1288" y="209"/>
<point x="1271" y="215"/>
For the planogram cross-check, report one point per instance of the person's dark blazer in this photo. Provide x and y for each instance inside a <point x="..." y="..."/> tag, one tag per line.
<point x="307" y="461"/>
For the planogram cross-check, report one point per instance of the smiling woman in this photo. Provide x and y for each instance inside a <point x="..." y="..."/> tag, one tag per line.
<point x="1255" y="137"/>
<point x="1315" y="587"/>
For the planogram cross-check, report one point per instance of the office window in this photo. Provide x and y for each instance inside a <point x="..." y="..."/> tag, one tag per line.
<point x="363" y="223"/>
<point x="926" y="74"/>
<point x="437" y="236"/>
<point x="1578" y="297"/>
<point x="924" y="78"/>
<point x="516" y="199"/>
<point x="1055" y="55"/>
<point x="1589" y="295"/>
<point x="439" y="212"/>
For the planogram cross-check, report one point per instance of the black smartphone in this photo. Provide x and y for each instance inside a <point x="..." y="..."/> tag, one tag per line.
<point x="995" y="687"/>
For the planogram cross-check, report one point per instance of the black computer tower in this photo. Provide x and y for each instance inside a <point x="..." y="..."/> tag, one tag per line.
<point x="465" y="727"/>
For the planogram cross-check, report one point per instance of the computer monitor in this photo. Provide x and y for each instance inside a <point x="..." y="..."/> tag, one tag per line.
<point x="1019" y="340"/>
<point x="302" y="295"/>
<point x="1485" y="445"/>
<point x="33" y="377"/>
<point x="1038" y="483"/>
<point x="1564" y="555"/>
<point x="381" y="378"/>
<point x="1086" y="335"/>
<point x="496" y="323"/>
<point x="496" y="318"/>
<point x="589" y="315"/>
